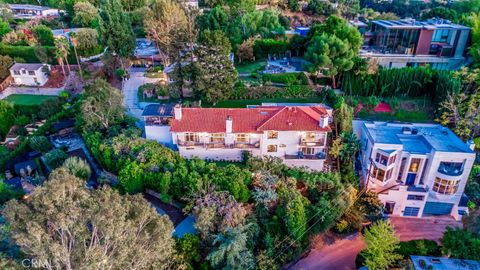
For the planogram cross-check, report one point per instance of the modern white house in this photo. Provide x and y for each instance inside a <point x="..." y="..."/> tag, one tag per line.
<point x="30" y="74"/>
<point x="157" y="119"/>
<point x="296" y="134"/>
<point x="417" y="170"/>
<point x="25" y="11"/>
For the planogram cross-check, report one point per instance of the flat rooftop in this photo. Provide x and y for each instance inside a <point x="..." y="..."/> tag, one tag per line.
<point x="440" y="263"/>
<point x="28" y="7"/>
<point x="431" y="24"/>
<point x="416" y="138"/>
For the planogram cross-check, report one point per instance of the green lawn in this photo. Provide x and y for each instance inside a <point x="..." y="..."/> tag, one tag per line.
<point x="244" y="103"/>
<point x="251" y="67"/>
<point x="26" y="100"/>
<point x="399" y="115"/>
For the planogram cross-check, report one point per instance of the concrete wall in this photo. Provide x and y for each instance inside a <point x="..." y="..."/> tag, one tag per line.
<point x="161" y="134"/>
<point x="30" y="91"/>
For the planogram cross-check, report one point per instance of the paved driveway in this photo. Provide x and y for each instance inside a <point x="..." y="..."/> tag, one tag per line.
<point x="422" y="228"/>
<point x="130" y="92"/>
<point x="339" y="255"/>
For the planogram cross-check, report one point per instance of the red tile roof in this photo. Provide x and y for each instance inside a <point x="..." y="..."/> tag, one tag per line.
<point x="250" y="120"/>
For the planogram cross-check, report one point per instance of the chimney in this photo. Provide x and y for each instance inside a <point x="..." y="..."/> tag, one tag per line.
<point x="177" y="112"/>
<point x="323" y="121"/>
<point x="471" y="144"/>
<point x="229" y="124"/>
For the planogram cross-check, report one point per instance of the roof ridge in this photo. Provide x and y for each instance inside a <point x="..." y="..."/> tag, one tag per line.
<point x="271" y="117"/>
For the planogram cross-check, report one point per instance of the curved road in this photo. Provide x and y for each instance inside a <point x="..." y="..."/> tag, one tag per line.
<point x="340" y="255"/>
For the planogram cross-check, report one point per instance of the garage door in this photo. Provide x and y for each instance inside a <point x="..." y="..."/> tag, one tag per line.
<point x="436" y="208"/>
<point x="411" y="211"/>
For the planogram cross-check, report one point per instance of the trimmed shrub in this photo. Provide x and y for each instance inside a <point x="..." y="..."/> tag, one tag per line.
<point x="286" y="78"/>
<point x="25" y="52"/>
<point x="40" y="144"/>
<point x="421" y="247"/>
<point x="55" y="158"/>
<point x="77" y="167"/>
<point x="264" y="47"/>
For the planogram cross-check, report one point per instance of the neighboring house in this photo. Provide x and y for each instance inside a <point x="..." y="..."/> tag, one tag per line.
<point x="64" y="32"/>
<point x="400" y="43"/>
<point x="157" y="118"/>
<point x="441" y="263"/>
<point x="297" y="135"/>
<point x="21" y="11"/>
<point x="30" y="74"/>
<point x="417" y="170"/>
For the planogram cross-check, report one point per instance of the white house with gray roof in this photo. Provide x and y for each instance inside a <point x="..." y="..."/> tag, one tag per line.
<point x="417" y="170"/>
<point x="30" y="74"/>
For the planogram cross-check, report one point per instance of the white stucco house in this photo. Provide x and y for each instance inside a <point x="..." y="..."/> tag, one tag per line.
<point x="295" y="134"/>
<point x="417" y="170"/>
<point x="30" y="74"/>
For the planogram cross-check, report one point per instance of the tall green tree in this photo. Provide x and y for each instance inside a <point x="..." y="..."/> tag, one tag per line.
<point x="461" y="244"/>
<point x="102" y="106"/>
<point x="116" y="30"/>
<point x="44" y="35"/>
<point x="382" y="245"/>
<point x="216" y="73"/>
<point x="67" y="226"/>
<point x="167" y="25"/>
<point x="230" y="250"/>
<point x="7" y="114"/>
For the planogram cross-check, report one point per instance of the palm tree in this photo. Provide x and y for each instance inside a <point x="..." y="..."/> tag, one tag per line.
<point x="351" y="145"/>
<point x="61" y="52"/>
<point x="75" y="43"/>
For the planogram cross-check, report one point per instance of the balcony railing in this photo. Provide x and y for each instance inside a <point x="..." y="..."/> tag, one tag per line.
<point x="318" y="156"/>
<point x="305" y="142"/>
<point x="219" y="144"/>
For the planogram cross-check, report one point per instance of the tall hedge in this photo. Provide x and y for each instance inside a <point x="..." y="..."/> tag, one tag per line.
<point x="25" y="52"/>
<point x="263" y="47"/>
<point x="402" y="82"/>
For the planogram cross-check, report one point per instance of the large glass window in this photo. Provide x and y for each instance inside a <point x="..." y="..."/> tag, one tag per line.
<point x="379" y="174"/>
<point x="308" y="150"/>
<point x="441" y="35"/>
<point x="451" y="168"/>
<point x="272" y="134"/>
<point x="444" y="186"/>
<point x="216" y="138"/>
<point x="381" y="159"/>
<point x="191" y="137"/>
<point x="242" y="138"/>
<point x="414" y="165"/>
<point x="271" y="148"/>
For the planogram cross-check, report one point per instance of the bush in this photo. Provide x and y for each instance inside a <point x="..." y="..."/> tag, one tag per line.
<point x="27" y="53"/>
<point x="286" y="78"/>
<point x="421" y="247"/>
<point x="261" y="92"/>
<point x="40" y="144"/>
<point x="264" y="47"/>
<point x="78" y="167"/>
<point x="55" y="158"/>
<point x="152" y="91"/>
<point x="44" y="35"/>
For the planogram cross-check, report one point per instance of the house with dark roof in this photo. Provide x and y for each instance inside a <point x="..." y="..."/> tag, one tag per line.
<point x="295" y="134"/>
<point x="157" y="118"/>
<point x="30" y="74"/>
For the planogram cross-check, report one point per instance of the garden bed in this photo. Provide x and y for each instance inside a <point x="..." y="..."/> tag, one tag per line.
<point x="245" y="102"/>
<point x="405" y="110"/>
